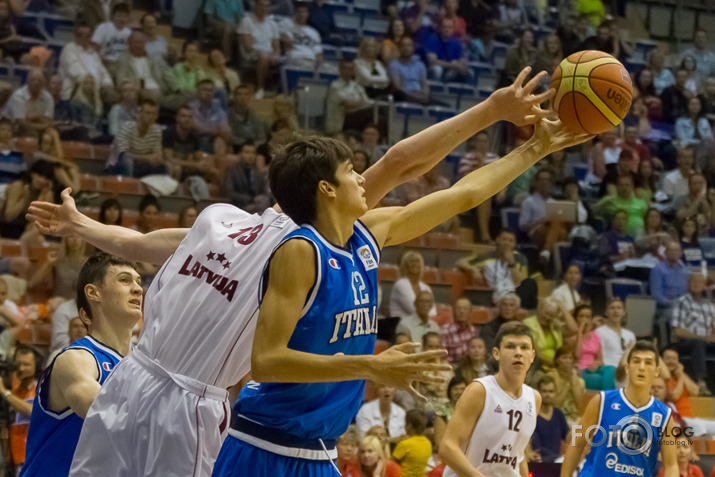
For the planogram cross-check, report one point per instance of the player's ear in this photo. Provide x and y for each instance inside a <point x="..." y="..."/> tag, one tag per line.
<point x="495" y="353"/>
<point x="326" y="188"/>
<point x="92" y="292"/>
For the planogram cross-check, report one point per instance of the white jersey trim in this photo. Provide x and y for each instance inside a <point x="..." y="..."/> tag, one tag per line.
<point x="332" y="247"/>
<point x="106" y="348"/>
<point x="633" y="408"/>
<point x="370" y="238"/>
<point x="600" y="407"/>
<point x="295" y="452"/>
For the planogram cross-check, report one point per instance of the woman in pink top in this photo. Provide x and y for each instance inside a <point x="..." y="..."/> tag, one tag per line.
<point x="588" y="353"/>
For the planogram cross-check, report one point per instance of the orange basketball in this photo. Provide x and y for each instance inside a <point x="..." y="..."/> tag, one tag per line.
<point x="593" y="91"/>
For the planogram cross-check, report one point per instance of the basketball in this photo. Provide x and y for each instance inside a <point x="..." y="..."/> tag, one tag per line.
<point x="593" y="92"/>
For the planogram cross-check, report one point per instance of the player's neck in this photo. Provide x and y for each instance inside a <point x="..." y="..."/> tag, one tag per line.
<point x="510" y="384"/>
<point x="118" y="338"/>
<point x="637" y="396"/>
<point x="334" y="228"/>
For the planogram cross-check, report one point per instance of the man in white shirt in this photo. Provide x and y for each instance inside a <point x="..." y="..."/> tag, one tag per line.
<point x="301" y="41"/>
<point x="704" y="56"/>
<point x="382" y="412"/>
<point x="675" y="183"/>
<point x="78" y="60"/>
<point x="259" y="42"/>
<point x="32" y="106"/>
<point x="614" y="339"/>
<point x="420" y="323"/>
<point x="346" y="96"/>
<point x="111" y="37"/>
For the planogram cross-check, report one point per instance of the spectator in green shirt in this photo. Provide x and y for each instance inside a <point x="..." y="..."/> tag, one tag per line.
<point x="188" y="73"/>
<point x="625" y="199"/>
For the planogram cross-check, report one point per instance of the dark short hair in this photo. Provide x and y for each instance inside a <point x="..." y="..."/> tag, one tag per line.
<point x="428" y="335"/>
<point x="6" y="120"/>
<point x="513" y="328"/>
<point x="110" y="203"/>
<point x="546" y="379"/>
<point x="247" y="143"/>
<point x="644" y="345"/>
<point x="144" y="17"/>
<point x="455" y="381"/>
<point x="564" y="350"/>
<point x="81" y="24"/>
<point x="417" y="420"/>
<point x="93" y="272"/>
<point x="121" y="8"/>
<point x="43" y="168"/>
<point x="296" y="171"/>
<point x="580" y="308"/>
<point x="206" y="81"/>
<point x="147" y="201"/>
<point x="148" y="101"/>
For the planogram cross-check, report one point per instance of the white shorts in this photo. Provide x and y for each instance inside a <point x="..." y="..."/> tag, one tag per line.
<point x="147" y="422"/>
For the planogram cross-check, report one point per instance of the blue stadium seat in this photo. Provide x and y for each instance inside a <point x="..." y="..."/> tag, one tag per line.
<point x="510" y="219"/>
<point x="290" y="76"/>
<point x="624" y="287"/>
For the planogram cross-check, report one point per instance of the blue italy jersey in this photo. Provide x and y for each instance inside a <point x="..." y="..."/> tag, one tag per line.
<point x="628" y="439"/>
<point x="340" y="316"/>
<point x="53" y="436"/>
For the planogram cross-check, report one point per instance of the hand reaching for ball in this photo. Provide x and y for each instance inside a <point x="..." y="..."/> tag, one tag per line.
<point x="551" y="135"/>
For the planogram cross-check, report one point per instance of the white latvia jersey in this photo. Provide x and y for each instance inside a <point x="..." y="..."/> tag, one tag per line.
<point x="201" y="309"/>
<point x="503" y="430"/>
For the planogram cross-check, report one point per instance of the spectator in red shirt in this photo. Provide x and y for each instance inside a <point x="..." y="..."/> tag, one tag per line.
<point x="456" y="335"/>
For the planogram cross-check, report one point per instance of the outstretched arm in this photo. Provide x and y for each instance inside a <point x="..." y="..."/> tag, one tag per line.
<point x="395" y="225"/>
<point x="291" y="276"/>
<point x="415" y="155"/>
<point x="65" y="219"/>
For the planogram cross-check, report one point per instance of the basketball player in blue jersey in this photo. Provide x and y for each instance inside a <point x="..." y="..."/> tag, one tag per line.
<point x="109" y="297"/>
<point x="318" y="315"/>
<point x="496" y="415"/>
<point x="631" y="426"/>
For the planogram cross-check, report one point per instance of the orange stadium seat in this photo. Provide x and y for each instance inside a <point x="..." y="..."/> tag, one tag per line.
<point x="38" y="253"/>
<point x="441" y="240"/>
<point x="102" y="151"/>
<point x="26" y="145"/>
<point x="388" y="272"/>
<point x="223" y="162"/>
<point x="481" y="315"/>
<point x="121" y="185"/>
<point x="75" y="149"/>
<point x="430" y="275"/>
<point x="10" y="248"/>
<point x="381" y="345"/>
<point x="168" y="220"/>
<point x="89" y="182"/>
<point x="444" y="315"/>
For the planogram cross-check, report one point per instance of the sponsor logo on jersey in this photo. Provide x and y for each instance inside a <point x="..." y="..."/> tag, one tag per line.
<point x="222" y="284"/>
<point x="616" y="406"/>
<point x="494" y="458"/>
<point x="334" y="263"/>
<point x="366" y="258"/>
<point x="530" y="408"/>
<point x="498" y="409"/>
<point x="107" y="366"/>
<point x="612" y="463"/>
<point x="656" y="419"/>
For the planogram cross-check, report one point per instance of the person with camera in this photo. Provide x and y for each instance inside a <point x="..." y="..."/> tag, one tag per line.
<point x="19" y="397"/>
<point x="109" y="299"/>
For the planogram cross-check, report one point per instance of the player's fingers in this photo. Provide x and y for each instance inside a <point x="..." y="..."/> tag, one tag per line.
<point x="408" y="347"/>
<point x="418" y="397"/>
<point x="542" y="97"/>
<point x="66" y="194"/>
<point x="427" y="379"/>
<point x="534" y="82"/>
<point x="427" y="355"/>
<point x="43" y="206"/>
<point x="522" y="76"/>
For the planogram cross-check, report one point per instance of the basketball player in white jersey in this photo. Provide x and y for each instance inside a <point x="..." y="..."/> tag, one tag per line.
<point x="496" y="415"/>
<point x="200" y="311"/>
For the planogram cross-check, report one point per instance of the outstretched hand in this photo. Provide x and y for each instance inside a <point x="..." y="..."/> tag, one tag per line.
<point x="54" y="219"/>
<point x="518" y="104"/>
<point x="400" y="366"/>
<point x="551" y="135"/>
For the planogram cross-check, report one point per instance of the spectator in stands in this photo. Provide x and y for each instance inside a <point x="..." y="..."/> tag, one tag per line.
<point x="641" y="152"/>
<point x="475" y="364"/>
<point x="127" y="109"/>
<point x="420" y="20"/>
<point x="624" y="199"/>
<point x="413" y="453"/>
<point x="570" y="35"/>
<point x="689" y="242"/>
<point x="87" y="106"/>
<point x="507" y="309"/>
<point x="32" y="107"/>
<point x="548" y="327"/>
<point x="435" y="393"/>
<point x="503" y="269"/>
<point x="188" y="73"/>
<point x="669" y="278"/>
<point x="284" y="110"/>
<point x="549" y="55"/>
<point x="60" y="324"/>
<point x="259" y="43"/>
<point x="244" y="185"/>
<point x="445" y="56"/>
<point x="79" y="59"/>
<point x="675" y="183"/>
<point x="61" y="269"/>
<point x="371" y="144"/>
<point x="147" y="221"/>
<point x="695" y="203"/>
<point x="662" y="76"/>
<point x="360" y="161"/>
<point x="551" y="427"/>
<point x="210" y="119"/>
<point x="10" y="41"/>
<point x="390" y="48"/>
<point x="301" y="42"/>
<point x="419" y="323"/>
<point x="348" y="103"/>
<point x="454" y="392"/>
<point x="689" y="65"/>
<point x="680" y="388"/>
<point x="20" y="398"/>
<point x="372" y="460"/>
<point x="654" y="233"/>
<point x="110" y="212"/>
<point x="187" y="216"/>
<point x="604" y="156"/>
<point x="111" y="37"/>
<point x="569" y="385"/>
<point x="523" y="54"/>
<point x="693" y="322"/>
<point x="184" y="152"/>
<point x="704" y="56"/>
<point x="482" y="19"/>
<point x="225" y="79"/>
<point x="615" y="245"/>
<point x="281" y="134"/>
<point x="9" y="312"/>
<point x="243" y="120"/>
<point x="686" y="456"/>
<point x="155" y="43"/>
<point x="409" y="74"/>
<point x="645" y="90"/>
<point x="567" y="293"/>
<point x="543" y="231"/>
<point x="624" y="166"/>
<point x="676" y="97"/>
<point x="38" y="185"/>
<point x="457" y="335"/>
<point x="382" y="411"/>
<point x="151" y="73"/>
<point x="450" y="10"/>
<point x="12" y="164"/>
<point x="50" y="149"/>
<point x="694" y="129"/>
<point x="222" y="19"/>
<point x="347" y="447"/>
<point x="589" y="353"/>
<point x="369" y="71"/>
<point x="708" y="97"/>
<point x="614" y="338"/>
<point x="604" y="40"/>
<point x="659" y="390"/>
<point x="136" y="150"/>
<point x="646" y="182"/>
<point x="512" y="17"/>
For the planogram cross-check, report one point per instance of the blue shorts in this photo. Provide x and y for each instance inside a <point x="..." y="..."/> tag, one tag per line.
<point x="239" y="459"/>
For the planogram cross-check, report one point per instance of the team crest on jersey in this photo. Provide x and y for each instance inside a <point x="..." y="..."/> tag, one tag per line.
<point x="657" y="419"/>
<point x="280" y="222"/>
<point x="366" y="258"/>
<point x="498" y="409"/>
<point x="106" y="366"/>
<point x="334" y="263"/>
<point x="615" y="406"/>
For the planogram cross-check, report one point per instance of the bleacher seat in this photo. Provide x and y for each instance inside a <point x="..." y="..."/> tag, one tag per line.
<point x="640" y="315"/>
<point x="348" y="22"/>
<point x="76" y="149"/>
<point x="290" y="75"/>
<point x="388" y="272"/>
<point x="510" y="219"/>
<point x="374" y="26"/>
<point x="430" y="275"/>
<point x="26" y="145"/>
<point x="481" y="315"/>
<point x="88" y="182"/>
<point x="441" y="240"/>
<point x="121" y="185"/>
<point x="38" y="253"/>
<point x="10" y="248"/>
<point x="623" y="287"/>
